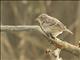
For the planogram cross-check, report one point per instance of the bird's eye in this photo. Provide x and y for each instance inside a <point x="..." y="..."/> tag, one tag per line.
<point x="41" y="17"/>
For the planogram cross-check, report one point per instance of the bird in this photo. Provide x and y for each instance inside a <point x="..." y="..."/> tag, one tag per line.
<point x="51" y="25"/>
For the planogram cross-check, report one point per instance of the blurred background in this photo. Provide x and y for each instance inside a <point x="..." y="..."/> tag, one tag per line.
<point x="31" y="45"/>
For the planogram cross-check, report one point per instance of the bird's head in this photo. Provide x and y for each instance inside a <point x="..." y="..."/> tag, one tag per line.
<point x="42" y="18"/>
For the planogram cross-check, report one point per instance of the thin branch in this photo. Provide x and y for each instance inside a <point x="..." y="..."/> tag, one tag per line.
<point x="18" y="28"/>
<point x="66" y="46"/>
<point x="56" y="42"/>
<point x="54" y="54"/>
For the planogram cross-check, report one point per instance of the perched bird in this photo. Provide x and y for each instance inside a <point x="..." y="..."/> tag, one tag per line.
<point x="51" y="26"/>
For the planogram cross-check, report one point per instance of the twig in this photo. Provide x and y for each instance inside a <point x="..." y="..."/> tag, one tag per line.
<point x="54" y="54"/>
<point x="66" y="46"/>
<point x="56" y="42"/>
<point x="18" y="28"/>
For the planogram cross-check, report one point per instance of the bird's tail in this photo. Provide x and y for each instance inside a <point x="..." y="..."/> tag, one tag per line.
<point x="69" y="31"/>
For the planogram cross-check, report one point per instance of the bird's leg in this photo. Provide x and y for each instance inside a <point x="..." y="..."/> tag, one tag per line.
<point x="51" y="37"/>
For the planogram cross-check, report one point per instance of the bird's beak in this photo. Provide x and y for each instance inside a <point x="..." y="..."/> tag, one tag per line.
<point x="37" y="19"/>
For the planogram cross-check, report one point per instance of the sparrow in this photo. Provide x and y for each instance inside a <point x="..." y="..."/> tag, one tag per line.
<point x="51" y="25"/>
